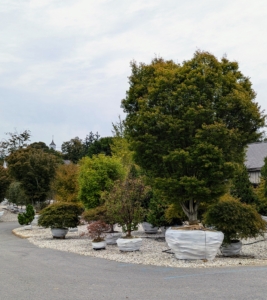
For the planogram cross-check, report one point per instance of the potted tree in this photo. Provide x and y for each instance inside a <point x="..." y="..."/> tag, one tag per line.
<point x="96" y="231"/>
<point x="99" y="213"/>
<point x="124" y="204"/>
<point x="27" y="217"/>
<point x="236" y="220"/>
<point x="59" y="217"/>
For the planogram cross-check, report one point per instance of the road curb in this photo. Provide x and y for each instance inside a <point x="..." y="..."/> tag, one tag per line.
<point x="19" y="235"/>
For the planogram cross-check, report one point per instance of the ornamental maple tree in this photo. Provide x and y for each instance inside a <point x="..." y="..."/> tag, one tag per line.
<point x="189" y="123"/>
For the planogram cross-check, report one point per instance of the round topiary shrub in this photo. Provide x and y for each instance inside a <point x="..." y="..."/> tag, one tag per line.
<point x="235" y="219"/>
<point x="61" y="215"/>
<point x="27" y="217"/>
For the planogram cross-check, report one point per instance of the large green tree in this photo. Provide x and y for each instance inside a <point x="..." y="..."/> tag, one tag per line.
<point x="34" y="169"/>
<point x="5" y="180"/>
<point x="189" y="123"/>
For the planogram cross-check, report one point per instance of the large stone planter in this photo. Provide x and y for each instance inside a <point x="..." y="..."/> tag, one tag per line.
<point x="111" y="237"/>
<point x="133" y="244"/>
<point x="59" y="233"/>
<point x="231" y="249"/>
<point x="194" y="244"/>
<point x="148" y="228"/>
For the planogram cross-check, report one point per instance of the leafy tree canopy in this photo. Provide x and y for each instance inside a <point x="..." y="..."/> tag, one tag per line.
<point x="103" y="145"/>
<point x="34" y="169"/>
<point x="65" y="184"/>
<point x="15" y="194"/>
<point x="5" y="181"/>
<point x="189" y="123"/>
<point x="96" y="175"/>
<point x="14" y="142"/>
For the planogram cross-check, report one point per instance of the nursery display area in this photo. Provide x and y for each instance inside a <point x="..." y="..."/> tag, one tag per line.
<point x="151" y="252"/>
<point x="175" y="164"/>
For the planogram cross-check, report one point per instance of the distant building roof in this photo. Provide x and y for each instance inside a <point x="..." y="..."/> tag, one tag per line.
<point x="52" y="143"/>
<point x="255" y="155"/>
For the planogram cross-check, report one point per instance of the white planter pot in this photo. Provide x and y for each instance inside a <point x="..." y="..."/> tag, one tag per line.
<point x="27" y="227"/>
<point x="73" y="229"/>
<point x="99" y="245"/>
<point x="148" y="228"/>
<point x="163" y="230"/>
<point x="194" y="244"/>
<point x="111" y="238"/>
<point x="231" y="249"/>
<point x="35" y="220"/>
<point x="133" y="244"/>
<point x="59" y="233"/>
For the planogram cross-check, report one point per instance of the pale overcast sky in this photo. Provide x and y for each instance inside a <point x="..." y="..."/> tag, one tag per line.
<point x="64" y="64"/>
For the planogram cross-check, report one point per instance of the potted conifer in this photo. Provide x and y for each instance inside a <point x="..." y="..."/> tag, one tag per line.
<point x="236" y="220"/>
<point x="27" y="217"/>
<point x="59" y="217"/>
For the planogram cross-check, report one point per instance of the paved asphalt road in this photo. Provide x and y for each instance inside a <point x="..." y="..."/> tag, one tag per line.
<point x="31" y="273"/>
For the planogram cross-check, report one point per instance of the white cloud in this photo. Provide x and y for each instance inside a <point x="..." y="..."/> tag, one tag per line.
<point x="73" y="56"/>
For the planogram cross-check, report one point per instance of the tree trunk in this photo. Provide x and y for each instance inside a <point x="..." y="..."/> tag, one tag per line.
<point x="190" y="209"/>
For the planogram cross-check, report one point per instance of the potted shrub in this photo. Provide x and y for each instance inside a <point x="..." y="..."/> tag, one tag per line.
<point x="96" y="231"/>
<point x="27" y="217"/>
<point x="100" y="214"/>
<point x="123" y="204"/>
<point x="59" y="217"/>
<point x="236" y="220"/>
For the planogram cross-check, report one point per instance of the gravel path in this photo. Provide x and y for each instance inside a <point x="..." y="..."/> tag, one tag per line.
<point x="150" y="252"/>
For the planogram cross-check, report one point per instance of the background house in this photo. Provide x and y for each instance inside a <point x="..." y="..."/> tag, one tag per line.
<point x="256" y="152"/>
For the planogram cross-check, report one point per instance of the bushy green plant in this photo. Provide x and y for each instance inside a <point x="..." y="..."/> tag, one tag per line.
<point x="262" y="199"/>
<point x="97" y="175"/>
<point x="235" y="219"/>
<point x="27" y="217"/>
<point x="124" y="203"/>
<point x="61" y="215"/>
<point x="242" y="188"/>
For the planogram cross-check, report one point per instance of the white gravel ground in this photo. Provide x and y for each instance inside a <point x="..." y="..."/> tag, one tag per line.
<point x="150" y="252"/>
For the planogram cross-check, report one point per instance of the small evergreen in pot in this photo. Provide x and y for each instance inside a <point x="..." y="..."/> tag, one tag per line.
<point x="60" y="215"/>
<point x="236" y="220"/>
<point x="27" y="217"/>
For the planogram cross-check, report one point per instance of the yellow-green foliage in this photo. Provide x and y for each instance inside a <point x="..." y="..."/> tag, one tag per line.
<point x="262" y="199"/>
<point x="97" y="175"/>
<point x="235" y="219"/>
<point x="174" y="212"/>
<point x="65" y="184"/>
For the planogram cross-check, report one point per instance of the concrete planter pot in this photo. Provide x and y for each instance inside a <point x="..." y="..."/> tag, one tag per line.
<point x="73" y="229"/>
<point x="28" y="227"/>
<point x="148" y="228"/>
<point x="111" y="237"/>
<point x="35" y="220"/>
<point x="128" y="245"/>
<point x="193" y="244"/>
<point x="99" y="245"/>
<point x="163" y="230"/>
<point x="59" y="233"/>
<point x="231" y="249"/>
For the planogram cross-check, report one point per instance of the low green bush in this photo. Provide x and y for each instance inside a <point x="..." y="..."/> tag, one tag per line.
<point x="61" y="215"/>
<point x="27" y="217"/>
<point x="235" y="219"/>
